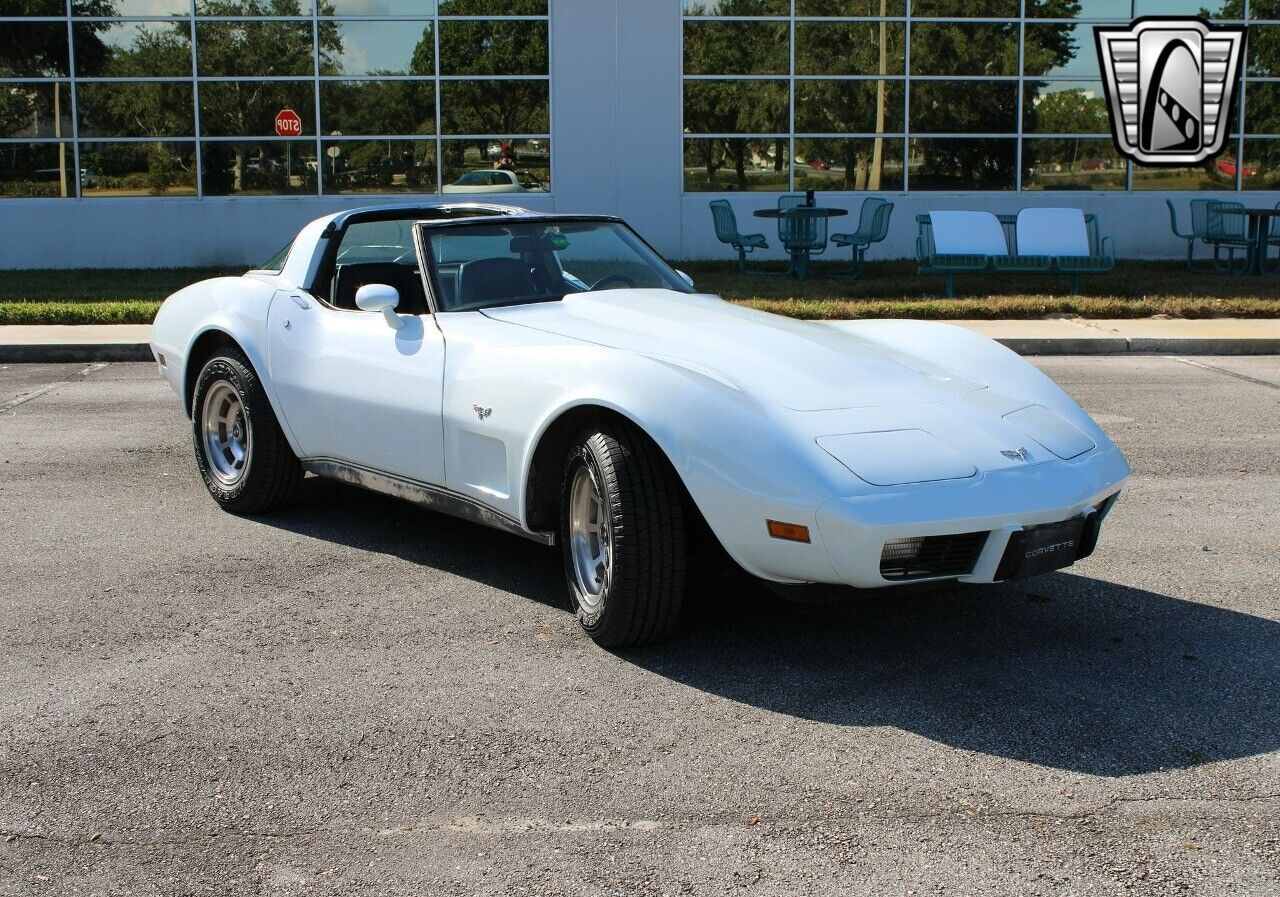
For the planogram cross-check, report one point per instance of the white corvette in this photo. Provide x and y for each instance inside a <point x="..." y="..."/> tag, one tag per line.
<point x="551" y="376"/>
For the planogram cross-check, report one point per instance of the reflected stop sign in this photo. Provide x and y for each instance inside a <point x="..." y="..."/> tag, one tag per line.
<point x="288" y="124"/>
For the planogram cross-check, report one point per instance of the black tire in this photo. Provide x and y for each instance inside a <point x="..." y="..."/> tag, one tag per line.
<point x="644" y="586"/>
<point x="271" y="474"/>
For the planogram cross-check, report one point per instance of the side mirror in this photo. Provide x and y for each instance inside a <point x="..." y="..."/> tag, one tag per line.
<point x="381" y="298"/>
<point x="685" y="277"/>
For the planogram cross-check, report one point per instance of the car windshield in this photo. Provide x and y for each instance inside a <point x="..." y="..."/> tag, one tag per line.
<point x="482" y="265"/>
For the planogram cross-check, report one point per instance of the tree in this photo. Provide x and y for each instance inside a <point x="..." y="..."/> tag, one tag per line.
<point x="38" y="49"/>
<point x="247" y="107"/>
<point x="874" y="104"/>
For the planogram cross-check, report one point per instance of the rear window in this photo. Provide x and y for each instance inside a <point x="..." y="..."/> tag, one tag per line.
<point x="276" y="262"/>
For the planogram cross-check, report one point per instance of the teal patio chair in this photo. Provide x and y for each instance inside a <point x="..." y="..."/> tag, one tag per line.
<point x="1223" y="230"/>
<point x="804" y="234"/>
<point x="1215" y="230"/>
<point x="873" y="226"/>
<point x="787" y="202"/>
<point x="1273" y="239"/>
<point x="727" y="232"/>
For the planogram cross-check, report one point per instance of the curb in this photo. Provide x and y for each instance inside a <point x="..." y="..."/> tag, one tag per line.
<point x="1141" y="345"/>
<point x="49" y="353"/>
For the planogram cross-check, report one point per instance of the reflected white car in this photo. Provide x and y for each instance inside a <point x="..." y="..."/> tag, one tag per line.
<point x="552" y="376"/>
<point x="485" y="180"/>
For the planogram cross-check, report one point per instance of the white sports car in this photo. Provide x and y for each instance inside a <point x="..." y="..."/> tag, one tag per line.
<point x="551" y="376"/>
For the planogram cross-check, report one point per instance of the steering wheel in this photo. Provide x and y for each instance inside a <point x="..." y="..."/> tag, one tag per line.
<point x="614" y="278"/>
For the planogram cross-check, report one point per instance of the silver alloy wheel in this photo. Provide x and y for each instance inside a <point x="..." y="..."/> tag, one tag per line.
<point x="590" y="539"/>
<point x="225" y="433"/>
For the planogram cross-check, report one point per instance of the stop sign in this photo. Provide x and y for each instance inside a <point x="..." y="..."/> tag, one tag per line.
<point x="288" y="124"/>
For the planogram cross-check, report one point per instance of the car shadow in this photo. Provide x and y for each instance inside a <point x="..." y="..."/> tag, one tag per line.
<point x="1062" y="670"/>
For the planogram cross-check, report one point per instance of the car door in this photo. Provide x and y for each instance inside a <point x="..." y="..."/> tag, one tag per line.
<point x="353" y="388"/>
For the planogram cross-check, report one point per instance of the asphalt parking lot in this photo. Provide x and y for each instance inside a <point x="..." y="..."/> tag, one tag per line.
<point x="359" y="697"/>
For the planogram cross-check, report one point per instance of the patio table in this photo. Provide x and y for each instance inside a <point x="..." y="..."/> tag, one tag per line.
<point x="800" y="258"/>
<point x="1259" y="228"/>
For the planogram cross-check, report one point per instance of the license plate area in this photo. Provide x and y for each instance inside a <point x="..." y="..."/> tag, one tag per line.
<point x="1039" y="549"/>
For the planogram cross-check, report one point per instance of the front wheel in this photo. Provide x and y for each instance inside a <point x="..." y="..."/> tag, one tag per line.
<point x="622" y="529"/>
<point x="243" y="457"/>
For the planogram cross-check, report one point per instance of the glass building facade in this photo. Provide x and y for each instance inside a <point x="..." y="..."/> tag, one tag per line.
<point x="164" y="98"/>
<point x="941" y="95"/>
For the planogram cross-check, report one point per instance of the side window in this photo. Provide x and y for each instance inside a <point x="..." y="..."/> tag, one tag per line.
<point x="377" y="252"/>
<point x="378" y="241"/>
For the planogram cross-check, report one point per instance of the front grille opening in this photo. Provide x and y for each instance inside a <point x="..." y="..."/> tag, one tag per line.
<point x="919" y="557"/>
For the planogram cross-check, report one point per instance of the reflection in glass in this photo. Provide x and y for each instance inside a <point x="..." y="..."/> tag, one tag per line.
<point x="718" y="165"/>
<point x="493" y="48"/>
<point x="1072" y="164"/>
<point x="19" y="8"/>
<point x="1262" y="107"/>
<point x="737" y="7"/>
<point x="378" y="8"/>
<point x="146" y="109"/>
<point x="137" y="50"/>
<point x="251" y="7"/>
<point x="850" y="8"/>
<point x="1213" y="9"/>
<point x="1261" y="170"/>
<point x="1089" y="10"/>
<point x="495" y="107"/>
<point x="736" y="48"/>
<point x="132" y="8"/>
<point x="1065" y="107"/>
<point x="962" y="164"/>
<point x="385" y="48"/>
<point x="952" y="107"/>
<point x="262" y="167"/>
<point x="1060" y="51"/>
<point x="37" y="170"/>
<point x="966" y="9"/>
<point x="378" y="107"/>
<point x="33" y="50"/>
<point x="1262" y="9"/>
<point x="27" y="109"/>
<point x="860" y="164"/>
<point x="486" y="166"/>
<point x="735" y="107"/>
<point x="379" y="166"/>
<point x="848" y="107"/>
<point x="970" y="49"/>
<point x="849" y="48"/>
<point x="250" y="49"/>
<point x="248" y="108"/>
<point x="138" y="169"/>
<point x="1214" y="174"/>
<point x="490" y="8"/>
<point x="1262" y="51"/>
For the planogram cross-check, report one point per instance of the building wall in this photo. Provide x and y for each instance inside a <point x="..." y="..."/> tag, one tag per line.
<point x="617" y="147"/>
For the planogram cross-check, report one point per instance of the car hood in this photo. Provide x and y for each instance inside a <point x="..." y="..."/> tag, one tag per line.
<point x="793" y="364"/>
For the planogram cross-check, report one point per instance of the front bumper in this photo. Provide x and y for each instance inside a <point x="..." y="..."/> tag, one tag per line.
<point x="854" y="530"/>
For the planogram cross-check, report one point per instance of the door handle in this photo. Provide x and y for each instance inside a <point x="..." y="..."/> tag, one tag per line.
<point x="302" y="303"/>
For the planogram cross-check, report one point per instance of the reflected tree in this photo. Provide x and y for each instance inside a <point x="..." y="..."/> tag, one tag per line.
<point x="248" y="106"/>
<point x="734" y="107"/>
<point x="43" y="51"/>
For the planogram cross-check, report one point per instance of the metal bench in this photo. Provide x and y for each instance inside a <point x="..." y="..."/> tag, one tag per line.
<point x="1098" y="256"/>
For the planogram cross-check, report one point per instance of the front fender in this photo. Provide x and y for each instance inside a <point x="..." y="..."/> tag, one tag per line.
<point x="741" y="461"/>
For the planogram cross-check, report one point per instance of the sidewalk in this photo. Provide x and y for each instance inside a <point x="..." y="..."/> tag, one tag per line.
<point x="1065" y="336"/>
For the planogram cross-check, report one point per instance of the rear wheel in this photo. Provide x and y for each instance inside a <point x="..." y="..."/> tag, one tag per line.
<point x="243" y="457"/>
<point x="622" y="531"/>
